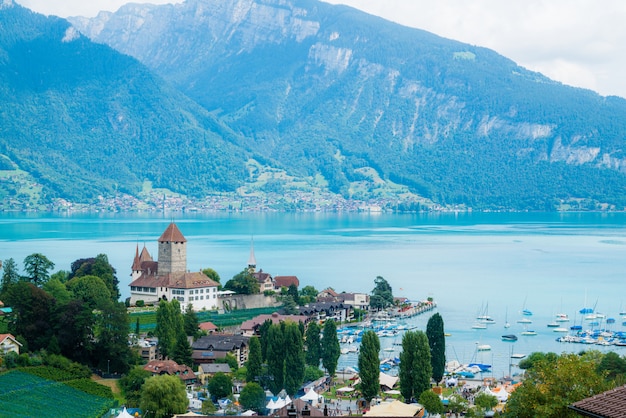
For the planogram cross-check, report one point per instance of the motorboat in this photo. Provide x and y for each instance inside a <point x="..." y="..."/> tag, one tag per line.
<point x="509" y="337"/>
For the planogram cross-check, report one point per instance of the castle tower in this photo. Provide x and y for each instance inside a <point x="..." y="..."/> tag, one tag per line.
<point x="172" y="251"/>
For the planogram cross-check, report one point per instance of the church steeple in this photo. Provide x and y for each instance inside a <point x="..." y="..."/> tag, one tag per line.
<point x="252" y="259"/>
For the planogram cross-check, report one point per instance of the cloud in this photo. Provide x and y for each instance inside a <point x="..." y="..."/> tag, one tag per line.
<point x="577" y="42"/>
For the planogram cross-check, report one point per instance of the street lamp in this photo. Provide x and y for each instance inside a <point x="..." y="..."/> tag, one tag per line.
<point x="108" y="367"/>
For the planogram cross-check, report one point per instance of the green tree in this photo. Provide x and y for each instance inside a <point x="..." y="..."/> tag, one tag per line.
<point x="312" y="373"/>
<point x="437" y="343"/>
<point x="313" y="344"/>
<point x="289" y="305"/>
<point x="99" y="267"/>
<point x="382" y="295"/>
<point x="263" y="330"/>
<point x="190" y="322"/>
<point x="37" y="268"/>
<point x="308" y="294"/>
<point x="243" y="283"/>
<point x="550" y="386"/>
<point x="212" y="274"/>
<point x="293" y="292"/>
<point x="130" y="385"/>
<point x="294" y="358"/>
<point x="61" y="275"/>
<point x="10" y="275"/>
<point x="58" y="290"/>
<point x="33" y="314"/>
<point x="457" y="404"/>
<point x="182" y="351"/>
<point x="330" y="347"/>
<point x="368" y="363"/>
<point x="485" y="401"/>
<point x="91" y="290"/>
<point x="415" y="365"/>
<point x="112" y="352"/>
<point x="168" y="323"/>
<point x="254" y="365"/>
<point x="252" y="397"/>
<point x="614" y="366"/>
<point x="220" y="386"/>
<point x="163" y="396"/>
<point x="74" y="328"/>
<point x="275" y="358"/>
<point x="431" y="402"/>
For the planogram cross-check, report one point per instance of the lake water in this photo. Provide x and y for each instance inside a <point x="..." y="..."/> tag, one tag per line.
<point x="467" y="262"/>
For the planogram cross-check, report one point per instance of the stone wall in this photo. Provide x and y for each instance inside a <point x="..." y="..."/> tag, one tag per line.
<point x="231" y="302"/>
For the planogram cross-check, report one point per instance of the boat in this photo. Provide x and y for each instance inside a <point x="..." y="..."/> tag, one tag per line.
<point x="518" y="356"/>
<point x="553" y="324"/>
<point x="506" y="319"/>
<point x="483" y="347"/>
<point x="509" y="337"/>
<point x="576" y="327"/>
<point x="561" y="317"/>
<point x="559" y="329"/>
<point x="479" y="325"/>
<point x="483" y="316"/>
<point x="529" y="332"/>
<point x="524" y="321"/>
<point x="527" y="312"/>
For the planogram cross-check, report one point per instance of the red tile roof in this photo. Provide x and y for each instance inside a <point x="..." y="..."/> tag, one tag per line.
<point x="286" y="281"/>
<point x="172" y="234"/>
<point x="175" y="280"/>
<point x="610" y="404"/>
<point x="170" y="367"/>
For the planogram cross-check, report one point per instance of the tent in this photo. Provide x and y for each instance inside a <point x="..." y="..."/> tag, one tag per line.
<point x="394" y="409"/>
<point x="387" y="380"/>
<point x="345" y="389"/>
<point x="124" y="414"/>
<point x="312" y="397"/>
<point x="499" y="392"/>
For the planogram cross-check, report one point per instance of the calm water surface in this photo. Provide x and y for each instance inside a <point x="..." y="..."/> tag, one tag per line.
<point x="547" y="263"/>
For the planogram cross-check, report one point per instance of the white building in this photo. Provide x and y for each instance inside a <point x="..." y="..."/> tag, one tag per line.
<point x="168" y="278"/>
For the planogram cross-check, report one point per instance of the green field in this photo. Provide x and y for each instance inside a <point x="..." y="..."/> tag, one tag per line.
<point x="26" y="395"/>
<point x="147" y="318"/>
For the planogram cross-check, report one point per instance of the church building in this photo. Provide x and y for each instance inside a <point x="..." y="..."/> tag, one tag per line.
<point x="168" y="278"/>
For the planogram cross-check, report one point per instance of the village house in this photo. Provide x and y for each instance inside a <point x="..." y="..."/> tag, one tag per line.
<point x="285" y="281"/>
<point x="159" y="367"/>
<point x="251" y="327"/>
<point x="206" y="371"/>
<point x="168" y="278"/>
<point x="8" y="343"/>
<point x="321" y="311"/>
<point x="209" y="348"/>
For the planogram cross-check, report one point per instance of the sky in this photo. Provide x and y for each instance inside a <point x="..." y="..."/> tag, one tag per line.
<point x="577" y="42"/>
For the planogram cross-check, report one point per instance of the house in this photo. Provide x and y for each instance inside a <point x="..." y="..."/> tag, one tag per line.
<point x="328" y="295"/>
<point x="321" y="311"/>
<point x="285" y="281"/>
<point x="251" y="327"/>
<point x="168" y="278"/>
<point x="207" y="370"/>
<point x="146" y="349"/>
<point x="209" y="348"/>
<point x="208" y="327"/>
<point x="8" y="343"/>
<point x="609" y="404"/>
<point x="356" y="300"/>
<point x="160" y="367"/>
<point x="266" y="282"/>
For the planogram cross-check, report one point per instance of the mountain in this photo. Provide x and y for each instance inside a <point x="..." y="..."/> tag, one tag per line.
<point x="328" y="89"/>
<point x="81" y="121"/>
<point x="277" y="96"/>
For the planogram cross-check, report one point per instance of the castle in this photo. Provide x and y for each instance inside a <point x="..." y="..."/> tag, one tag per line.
<point x="168" y="278"/>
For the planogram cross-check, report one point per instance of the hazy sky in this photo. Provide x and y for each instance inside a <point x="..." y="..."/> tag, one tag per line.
<point x="577" y="42"/>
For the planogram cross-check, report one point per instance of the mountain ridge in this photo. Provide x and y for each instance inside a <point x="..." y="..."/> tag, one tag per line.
<point x="281" y="93"/>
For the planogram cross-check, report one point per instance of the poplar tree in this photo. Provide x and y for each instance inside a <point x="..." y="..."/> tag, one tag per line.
<point x="294" y="358"/>
<point x="313" y="344"/>
<point x="275" y="358"/>
<point x="254" y="365"/>
<point x="330" y="347"/>
<point x="368" y="362"/>
<point x="437" y="344"/>
<point x="415" y="365"/>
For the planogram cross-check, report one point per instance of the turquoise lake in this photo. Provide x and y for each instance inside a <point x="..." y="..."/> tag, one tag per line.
<point x="467" y="262"/>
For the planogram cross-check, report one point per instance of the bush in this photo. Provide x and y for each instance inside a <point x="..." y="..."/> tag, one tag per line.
<point x="140" y="304"/>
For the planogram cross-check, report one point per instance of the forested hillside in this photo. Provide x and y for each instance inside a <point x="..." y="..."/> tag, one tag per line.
<point x="322" y="97"/>
<point x="82" y="120"/>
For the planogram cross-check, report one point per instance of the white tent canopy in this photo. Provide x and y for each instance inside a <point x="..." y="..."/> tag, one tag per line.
<point x="345" y="389"/>
<point x="311" y="395"/>
<point x="387" y="380"/>
<point x="124" y="414"/>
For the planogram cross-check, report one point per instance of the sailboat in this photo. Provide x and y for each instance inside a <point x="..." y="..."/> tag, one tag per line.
<point x="506" y="319"/>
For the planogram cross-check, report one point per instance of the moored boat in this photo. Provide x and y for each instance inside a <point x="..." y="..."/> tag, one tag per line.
<point x="509" y="337"/>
